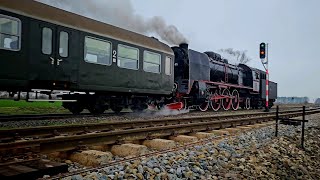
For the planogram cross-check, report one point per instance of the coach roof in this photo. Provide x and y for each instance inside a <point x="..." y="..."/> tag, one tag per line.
<point x="45" y="12"/>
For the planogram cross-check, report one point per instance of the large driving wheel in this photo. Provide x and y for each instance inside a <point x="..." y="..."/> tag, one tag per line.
<point x="215" y="103"/>
<point x="226" y="101"/>
<point x="204" y="106"/>
<point x="235" y="100"/>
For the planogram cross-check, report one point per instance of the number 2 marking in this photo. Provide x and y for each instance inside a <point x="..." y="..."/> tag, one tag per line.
<point x="114" y="56"/>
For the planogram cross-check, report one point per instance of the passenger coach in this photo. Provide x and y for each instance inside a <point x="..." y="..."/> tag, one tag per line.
<point x="98" y="66"/>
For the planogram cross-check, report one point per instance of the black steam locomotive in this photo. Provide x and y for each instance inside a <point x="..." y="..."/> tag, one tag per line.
<point x="207" y="80"/>
<point x="91" y="65"/>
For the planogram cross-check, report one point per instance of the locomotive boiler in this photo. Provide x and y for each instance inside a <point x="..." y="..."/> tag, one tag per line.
<point x="220" y="70"/>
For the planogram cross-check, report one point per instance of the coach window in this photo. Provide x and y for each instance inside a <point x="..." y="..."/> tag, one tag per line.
<point x="64" y="44"/>
<point x="97" y="51"/>
<point x="46" y="41"/>
<point x="151" y="62"/>
<point x="10" y="33"/>
<point x="168" y="65"/>
<point x="128" y="57"/>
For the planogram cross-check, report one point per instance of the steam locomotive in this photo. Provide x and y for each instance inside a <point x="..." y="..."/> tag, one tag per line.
<point x="207" y="80"/>
<point x="91" y="65"/>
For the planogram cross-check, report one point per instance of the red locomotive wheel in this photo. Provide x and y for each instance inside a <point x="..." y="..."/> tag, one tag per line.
<point x="226" y="102"/>
<point x="185" y="105"/>
<point x="215" y="103"/>
<point x="235" y="100"/>
<point x="204" y="106"/>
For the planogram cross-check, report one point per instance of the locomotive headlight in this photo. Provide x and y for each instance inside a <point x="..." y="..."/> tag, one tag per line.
<point x="176" y="64"/>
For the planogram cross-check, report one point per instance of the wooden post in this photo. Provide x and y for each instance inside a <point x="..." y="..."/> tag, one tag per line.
<point x="303" y="119"/>
<point x="277" y="118"/>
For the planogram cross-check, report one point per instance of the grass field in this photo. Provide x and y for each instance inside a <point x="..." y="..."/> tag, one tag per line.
<point x="10" y="107"/>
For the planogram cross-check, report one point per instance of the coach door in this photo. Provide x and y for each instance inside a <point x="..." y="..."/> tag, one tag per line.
<point x="53" y="52"/>
<point x="66" y="55"/>
<point x="42" y="46"/>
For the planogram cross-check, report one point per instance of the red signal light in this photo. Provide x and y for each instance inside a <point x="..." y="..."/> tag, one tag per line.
<point x="262" y="50"/>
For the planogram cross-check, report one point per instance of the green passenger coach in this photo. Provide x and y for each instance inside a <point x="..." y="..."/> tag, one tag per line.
<point x="92" y="65"/>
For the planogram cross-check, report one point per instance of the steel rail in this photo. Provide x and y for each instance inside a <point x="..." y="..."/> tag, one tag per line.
<point x="49" y="131"/>
<point x="6" y="118"/>
<point x="64" y="143"/>
<point x="29" y="117"/>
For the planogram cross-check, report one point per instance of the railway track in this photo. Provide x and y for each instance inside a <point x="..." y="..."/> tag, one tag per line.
<point x="61" y="138"/>
<point x="50" y="131"/>
<point x="33" y="117"/>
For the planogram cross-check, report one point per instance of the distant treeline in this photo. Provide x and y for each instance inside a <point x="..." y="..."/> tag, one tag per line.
<point x="292" y="100"/>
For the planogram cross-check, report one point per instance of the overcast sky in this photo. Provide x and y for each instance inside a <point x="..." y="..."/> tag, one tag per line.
<point x="291" y="27"/>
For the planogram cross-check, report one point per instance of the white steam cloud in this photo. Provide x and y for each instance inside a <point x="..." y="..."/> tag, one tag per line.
<point x="121" y="13"/>
<point x="162" y="112"/>
<point x="235" y="56"/>
<point x="169" y="112"/>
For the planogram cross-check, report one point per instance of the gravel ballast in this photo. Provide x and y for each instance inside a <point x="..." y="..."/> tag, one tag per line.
<point x="255" y="154"/>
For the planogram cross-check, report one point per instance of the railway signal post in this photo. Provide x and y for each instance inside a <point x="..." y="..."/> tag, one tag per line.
<point x="265" y="63"/>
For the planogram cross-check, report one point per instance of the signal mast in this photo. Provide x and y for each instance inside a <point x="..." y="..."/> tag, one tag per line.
<point x="265" y="63"/>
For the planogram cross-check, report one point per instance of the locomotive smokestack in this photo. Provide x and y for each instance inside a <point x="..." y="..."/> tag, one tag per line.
<point x="184" y="46"/>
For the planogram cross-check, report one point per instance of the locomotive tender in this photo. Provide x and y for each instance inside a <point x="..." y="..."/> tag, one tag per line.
<point x="97" y="66"/>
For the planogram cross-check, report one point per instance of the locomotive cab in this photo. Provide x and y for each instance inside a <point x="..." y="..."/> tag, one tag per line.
<point x="181" y="68"/>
